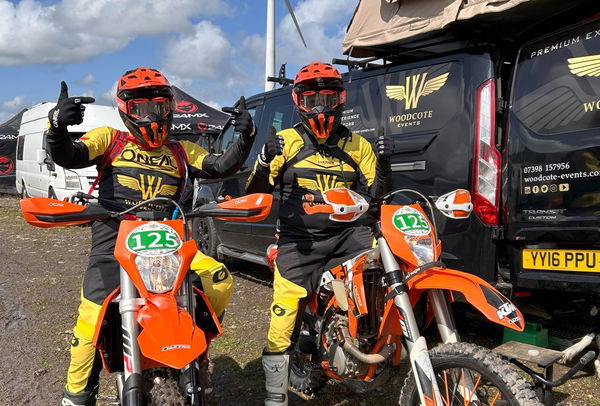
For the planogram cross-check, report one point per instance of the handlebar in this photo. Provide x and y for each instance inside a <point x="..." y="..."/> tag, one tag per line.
<point x="45" y="212"/>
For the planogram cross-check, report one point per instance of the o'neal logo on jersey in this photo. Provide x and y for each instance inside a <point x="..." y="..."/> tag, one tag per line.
<point x="149" y="186"/>
<point x="145" y="159"/>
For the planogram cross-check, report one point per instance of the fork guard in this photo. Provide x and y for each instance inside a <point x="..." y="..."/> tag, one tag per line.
<point x="169" y="335"/>
<point x="480" y="294"/>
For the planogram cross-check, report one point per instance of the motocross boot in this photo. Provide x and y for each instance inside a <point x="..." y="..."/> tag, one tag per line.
<point x="276" y="366"/>
<point x="86" y="398"/>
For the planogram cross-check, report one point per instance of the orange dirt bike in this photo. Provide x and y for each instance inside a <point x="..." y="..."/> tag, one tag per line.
<point x="365" y="311"/>
<point x="155" y="329"/>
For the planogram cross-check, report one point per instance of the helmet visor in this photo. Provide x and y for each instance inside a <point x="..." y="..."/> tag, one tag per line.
<point x="140" y="108"/>
<point x="310" y="99"/>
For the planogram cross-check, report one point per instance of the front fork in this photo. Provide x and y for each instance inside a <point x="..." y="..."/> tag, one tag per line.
<point x="192" y="389"/>
<point x="416" y="344"/>
<point x="132" y="391"/>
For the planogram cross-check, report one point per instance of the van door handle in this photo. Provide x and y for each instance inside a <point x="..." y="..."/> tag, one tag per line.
<point x="409" y="166"/>
<point x="53" y="174"/>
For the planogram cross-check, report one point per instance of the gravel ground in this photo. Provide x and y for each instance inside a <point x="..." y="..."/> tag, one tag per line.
<point x="40" y="277"/>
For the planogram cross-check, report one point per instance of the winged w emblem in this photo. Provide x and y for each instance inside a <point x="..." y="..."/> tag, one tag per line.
<point x="149" y="186"/>
<point x="585" y="65"/>
<point x="415" y="87"/>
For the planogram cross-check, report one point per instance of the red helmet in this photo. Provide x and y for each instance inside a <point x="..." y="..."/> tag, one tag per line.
<point x="145" y="102"/>
<point x="319" y="95"/>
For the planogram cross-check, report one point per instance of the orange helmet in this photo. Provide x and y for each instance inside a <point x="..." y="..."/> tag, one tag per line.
<point x="145" y="102"/>
<point x="319" y="94"/>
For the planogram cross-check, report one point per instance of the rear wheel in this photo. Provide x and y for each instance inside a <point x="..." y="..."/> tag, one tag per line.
<point x="205" y="234"/>
<point x="470" y="375"/>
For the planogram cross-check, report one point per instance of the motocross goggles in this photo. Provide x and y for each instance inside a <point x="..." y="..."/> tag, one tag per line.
<point x="310" y="99"/>
<point x="142" y="107"/>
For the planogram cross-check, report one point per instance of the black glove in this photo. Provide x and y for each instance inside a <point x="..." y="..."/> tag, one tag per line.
<point x="384" y="148"/>
<point x="68" y="110"/>
<point x="241" y="120"/>
<point x="272" y="147"/>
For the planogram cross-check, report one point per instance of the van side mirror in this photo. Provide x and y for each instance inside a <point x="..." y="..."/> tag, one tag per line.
<point x="41" y="156"/>
<point x="456" y="204"/>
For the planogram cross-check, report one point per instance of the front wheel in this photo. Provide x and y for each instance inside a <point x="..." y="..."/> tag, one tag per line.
<point x="162" y="388"/>
<point x="470" y="375"/>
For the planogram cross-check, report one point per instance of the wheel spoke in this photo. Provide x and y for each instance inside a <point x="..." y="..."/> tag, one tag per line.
<point x="495" y="398"/>
<point x="474" y="389"/>
<point x="447" y="400"/>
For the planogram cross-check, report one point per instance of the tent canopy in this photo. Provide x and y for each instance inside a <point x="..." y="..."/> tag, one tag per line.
<point x="383" y="27"/>
<point x="193" y="118"/>
<point x="9" y="131"/>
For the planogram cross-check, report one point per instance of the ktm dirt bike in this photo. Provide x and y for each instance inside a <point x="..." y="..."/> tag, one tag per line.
<point x="365" y="310"/>
<point x="153" y="331"/>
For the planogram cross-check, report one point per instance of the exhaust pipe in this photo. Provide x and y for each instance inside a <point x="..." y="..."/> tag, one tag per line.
<point x="381" y="356"/>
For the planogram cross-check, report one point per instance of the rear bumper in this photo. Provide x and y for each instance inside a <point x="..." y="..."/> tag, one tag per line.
<point x="571" y="282"/>
<point x="551" y="280"/>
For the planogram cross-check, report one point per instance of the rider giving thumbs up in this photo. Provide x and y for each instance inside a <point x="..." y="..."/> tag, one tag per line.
<point x="134" y="166"/>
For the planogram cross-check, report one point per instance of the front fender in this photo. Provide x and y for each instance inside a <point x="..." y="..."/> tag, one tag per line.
<point x="480" y="294"/>
<point x="169" y="335"/>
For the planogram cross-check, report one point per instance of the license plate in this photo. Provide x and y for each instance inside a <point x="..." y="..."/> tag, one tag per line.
<point x="562" y="260"/>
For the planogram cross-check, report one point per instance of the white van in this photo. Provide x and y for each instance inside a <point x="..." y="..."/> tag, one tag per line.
<point x="36" y="173"/>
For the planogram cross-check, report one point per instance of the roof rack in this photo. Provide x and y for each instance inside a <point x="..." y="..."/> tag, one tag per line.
<point x="281" y="79"/>
<point x="355" y="64"/>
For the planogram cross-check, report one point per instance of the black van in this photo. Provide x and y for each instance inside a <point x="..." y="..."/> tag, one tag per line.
<point x="517" y="125"/>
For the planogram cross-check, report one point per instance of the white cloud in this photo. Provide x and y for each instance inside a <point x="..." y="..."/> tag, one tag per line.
<point x="203" y="53"/>
<point x="226" y="66"/>
<point x="11" y="107"/>
<point x="32" y="32"/>
<point x="15" y="104"/>
<point x="88" y="79"/>
<point x="108" y="97"/>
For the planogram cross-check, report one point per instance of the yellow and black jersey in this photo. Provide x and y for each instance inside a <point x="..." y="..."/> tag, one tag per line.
<point x="344" y="159"/>
<point x="136" y="173"/>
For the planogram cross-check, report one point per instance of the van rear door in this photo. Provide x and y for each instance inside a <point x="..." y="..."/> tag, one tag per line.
<point x="552" y="161"/>
<point x="432" y="109"/>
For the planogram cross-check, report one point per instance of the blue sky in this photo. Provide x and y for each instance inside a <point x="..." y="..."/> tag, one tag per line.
<point x="212" y="49"/>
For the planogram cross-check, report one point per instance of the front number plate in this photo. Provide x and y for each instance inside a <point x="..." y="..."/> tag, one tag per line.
<point x="562" y="260"/>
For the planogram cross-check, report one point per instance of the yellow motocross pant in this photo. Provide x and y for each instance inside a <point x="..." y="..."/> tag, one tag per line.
<point x="299" y="266"/>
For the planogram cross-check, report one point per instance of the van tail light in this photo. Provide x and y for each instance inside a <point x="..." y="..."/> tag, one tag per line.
<point x="486" y="171"/>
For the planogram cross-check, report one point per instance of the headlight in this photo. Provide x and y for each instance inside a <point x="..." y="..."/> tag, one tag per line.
<point x="158" y="272"/>
<point x="72" y="180"/>
<point x="421" y="246"/>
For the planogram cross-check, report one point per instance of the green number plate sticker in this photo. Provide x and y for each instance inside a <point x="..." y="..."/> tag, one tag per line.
<point x="153" y="239"/>
<point x="411" y="221"/>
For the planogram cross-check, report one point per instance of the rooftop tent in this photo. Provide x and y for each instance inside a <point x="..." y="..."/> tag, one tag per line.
<point x="193" y="119"/>
<point x="380" y="28"/>
<point x="9" y="131"/>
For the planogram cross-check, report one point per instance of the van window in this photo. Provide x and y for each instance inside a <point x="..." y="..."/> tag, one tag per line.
<point x="278" y="114"/>
<point x="228" y="136"/>
<point x="20" y="143"/>
<point x="557" y="87"/>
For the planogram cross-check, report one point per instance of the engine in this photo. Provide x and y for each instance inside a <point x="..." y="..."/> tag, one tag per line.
<point x="343" y="363"/>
